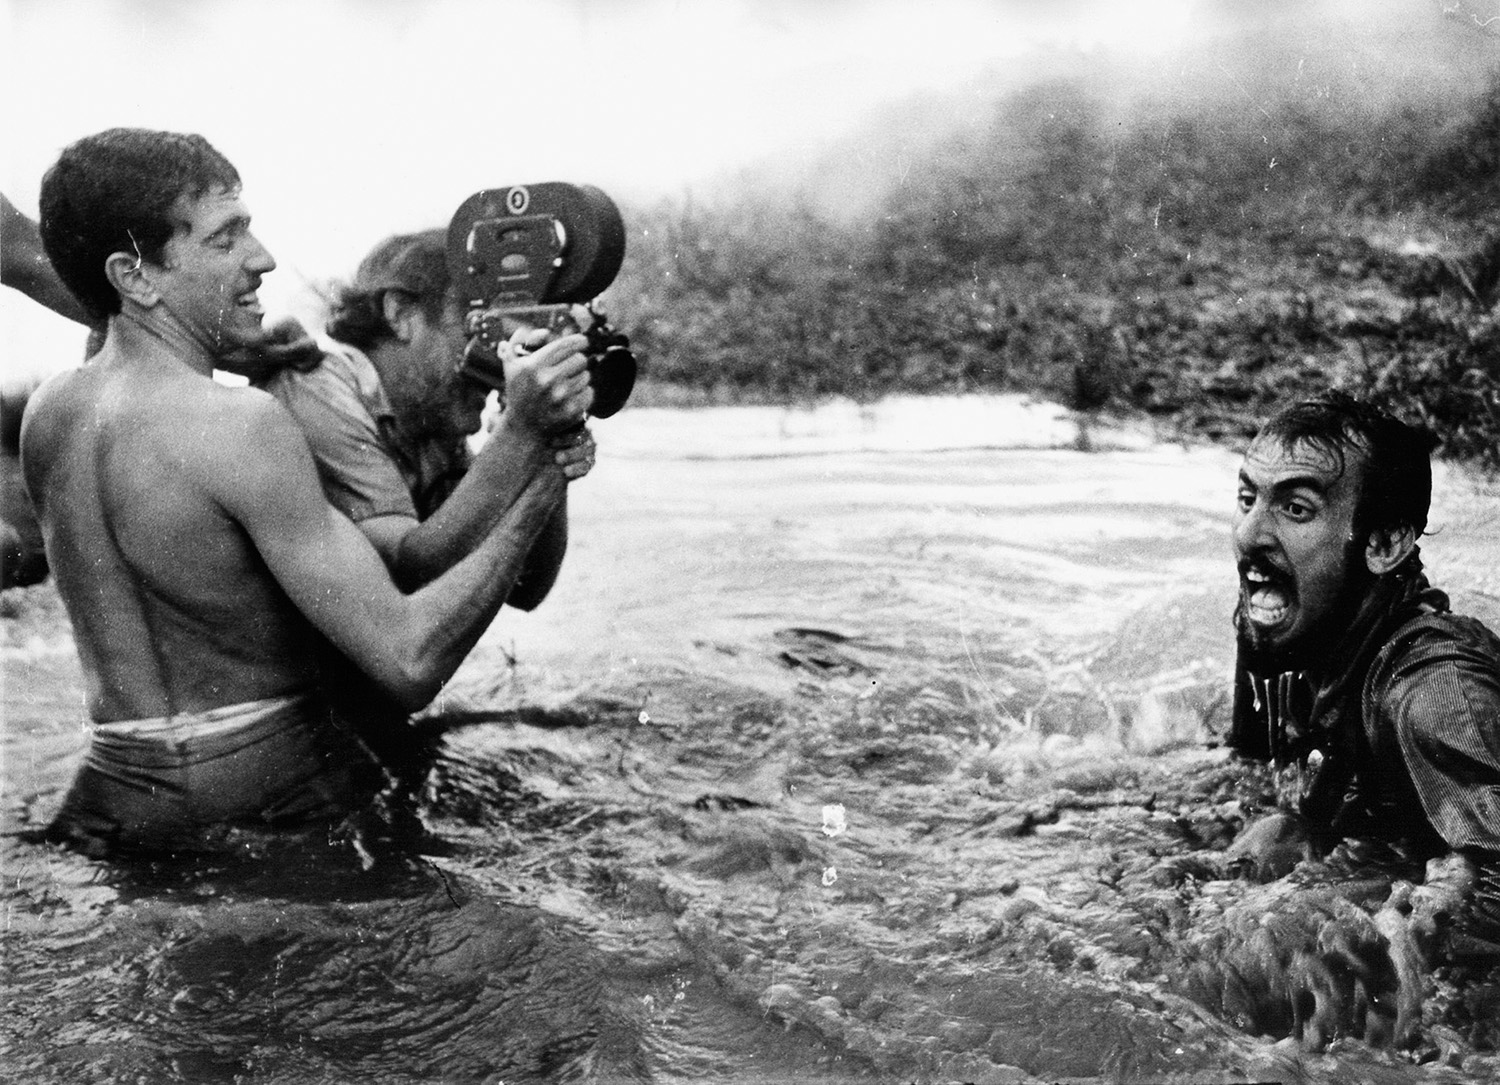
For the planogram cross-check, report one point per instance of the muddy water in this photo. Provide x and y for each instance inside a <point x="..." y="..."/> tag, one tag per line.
<point x="847" y="748"/>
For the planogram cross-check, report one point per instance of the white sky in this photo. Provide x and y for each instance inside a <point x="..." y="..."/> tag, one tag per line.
<point x="352" y="119"/>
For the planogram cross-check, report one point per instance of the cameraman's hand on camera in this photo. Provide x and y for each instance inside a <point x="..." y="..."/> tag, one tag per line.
<point x="574" y="451"/>
<point x="547" y="387"/>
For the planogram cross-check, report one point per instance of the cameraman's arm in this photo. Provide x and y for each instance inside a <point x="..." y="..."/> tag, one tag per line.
<point x="543" y="562"/>
<point x="575" y="455"/>
<point x="545" y="392"/>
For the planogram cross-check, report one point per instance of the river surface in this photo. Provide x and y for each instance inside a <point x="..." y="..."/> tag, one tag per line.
<point x="851" y="746"/>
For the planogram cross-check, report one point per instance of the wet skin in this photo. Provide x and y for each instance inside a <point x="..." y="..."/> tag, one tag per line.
<point x="210" y="273"/>
<point x="1294" y="545"/>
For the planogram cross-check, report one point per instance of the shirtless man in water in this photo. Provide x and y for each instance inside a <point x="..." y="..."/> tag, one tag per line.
<point x="198" y="560"/>
<point x="23" y="561"/>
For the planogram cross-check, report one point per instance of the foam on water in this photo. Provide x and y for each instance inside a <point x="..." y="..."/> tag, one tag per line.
<point x="1006" y="668"/>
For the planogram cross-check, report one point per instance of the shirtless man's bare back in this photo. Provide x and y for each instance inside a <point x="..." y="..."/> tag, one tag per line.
<point x="190" y="539"/>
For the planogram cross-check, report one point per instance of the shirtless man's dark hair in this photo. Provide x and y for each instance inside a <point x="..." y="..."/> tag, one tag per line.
<point x="115" y="192"/>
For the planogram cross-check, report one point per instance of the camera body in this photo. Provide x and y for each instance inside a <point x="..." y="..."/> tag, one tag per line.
<point x="537" y="256"/>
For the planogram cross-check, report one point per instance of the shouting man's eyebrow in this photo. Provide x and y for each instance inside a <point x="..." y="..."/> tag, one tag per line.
<point x="1296" y="482"/>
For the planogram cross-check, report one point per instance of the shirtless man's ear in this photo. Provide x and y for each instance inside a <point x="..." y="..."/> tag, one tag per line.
<point x="127" y="275"/>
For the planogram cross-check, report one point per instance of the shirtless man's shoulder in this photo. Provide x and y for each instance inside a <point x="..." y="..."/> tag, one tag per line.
<point x="114" y="406"/>
<point x="187" y="477"/>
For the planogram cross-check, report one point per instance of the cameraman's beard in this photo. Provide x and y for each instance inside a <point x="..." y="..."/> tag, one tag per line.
<point x="444" y="411"/>
<point x="433" y="419"/>
<point x="1320" y="641"/>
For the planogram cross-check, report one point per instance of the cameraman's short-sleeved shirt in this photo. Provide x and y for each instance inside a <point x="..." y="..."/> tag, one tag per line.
<point x="367" y="465"/>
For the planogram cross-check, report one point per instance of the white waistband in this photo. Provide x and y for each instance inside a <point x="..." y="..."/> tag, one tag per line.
<point x="215" y="721"/>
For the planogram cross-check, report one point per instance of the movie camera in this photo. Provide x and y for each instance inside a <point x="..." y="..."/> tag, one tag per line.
<point x="537" y="256"/>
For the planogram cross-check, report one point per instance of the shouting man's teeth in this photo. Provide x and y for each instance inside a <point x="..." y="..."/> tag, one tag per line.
<point x="1266" y="600"/>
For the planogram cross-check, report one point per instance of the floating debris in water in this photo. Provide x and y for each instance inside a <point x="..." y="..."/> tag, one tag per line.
<point x="834" y="822"/>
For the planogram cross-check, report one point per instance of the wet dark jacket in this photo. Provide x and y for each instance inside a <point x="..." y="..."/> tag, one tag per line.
<point x="1396" y="734"/>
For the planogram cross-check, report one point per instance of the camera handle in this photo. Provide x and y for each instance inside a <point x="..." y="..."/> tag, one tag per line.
<point x="489" y="327"/>
<point x="612" y="367"/>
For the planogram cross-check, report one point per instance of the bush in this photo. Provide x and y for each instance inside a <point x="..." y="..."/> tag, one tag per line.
<point x="1170" y="269"/>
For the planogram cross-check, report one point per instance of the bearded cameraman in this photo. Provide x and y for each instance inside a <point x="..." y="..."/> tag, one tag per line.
<point x="388" y="415"/>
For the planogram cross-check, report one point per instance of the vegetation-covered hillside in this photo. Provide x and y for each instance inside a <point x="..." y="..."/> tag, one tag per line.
<point x="1198" y="267"/>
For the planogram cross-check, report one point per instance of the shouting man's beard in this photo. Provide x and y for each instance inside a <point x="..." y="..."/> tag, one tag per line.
<point x="1267" y="652"/>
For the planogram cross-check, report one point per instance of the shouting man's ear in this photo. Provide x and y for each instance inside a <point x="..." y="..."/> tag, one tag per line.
<point x="127" y="275"/>
<point x="1388" y="547"/>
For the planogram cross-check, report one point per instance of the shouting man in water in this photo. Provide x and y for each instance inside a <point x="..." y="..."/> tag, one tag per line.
<point x="1377" y="706"/>
<point x="199" y="561"/>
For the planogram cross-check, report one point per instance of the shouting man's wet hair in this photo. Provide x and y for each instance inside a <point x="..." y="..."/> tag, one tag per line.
<point x="1395" y="489"/>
